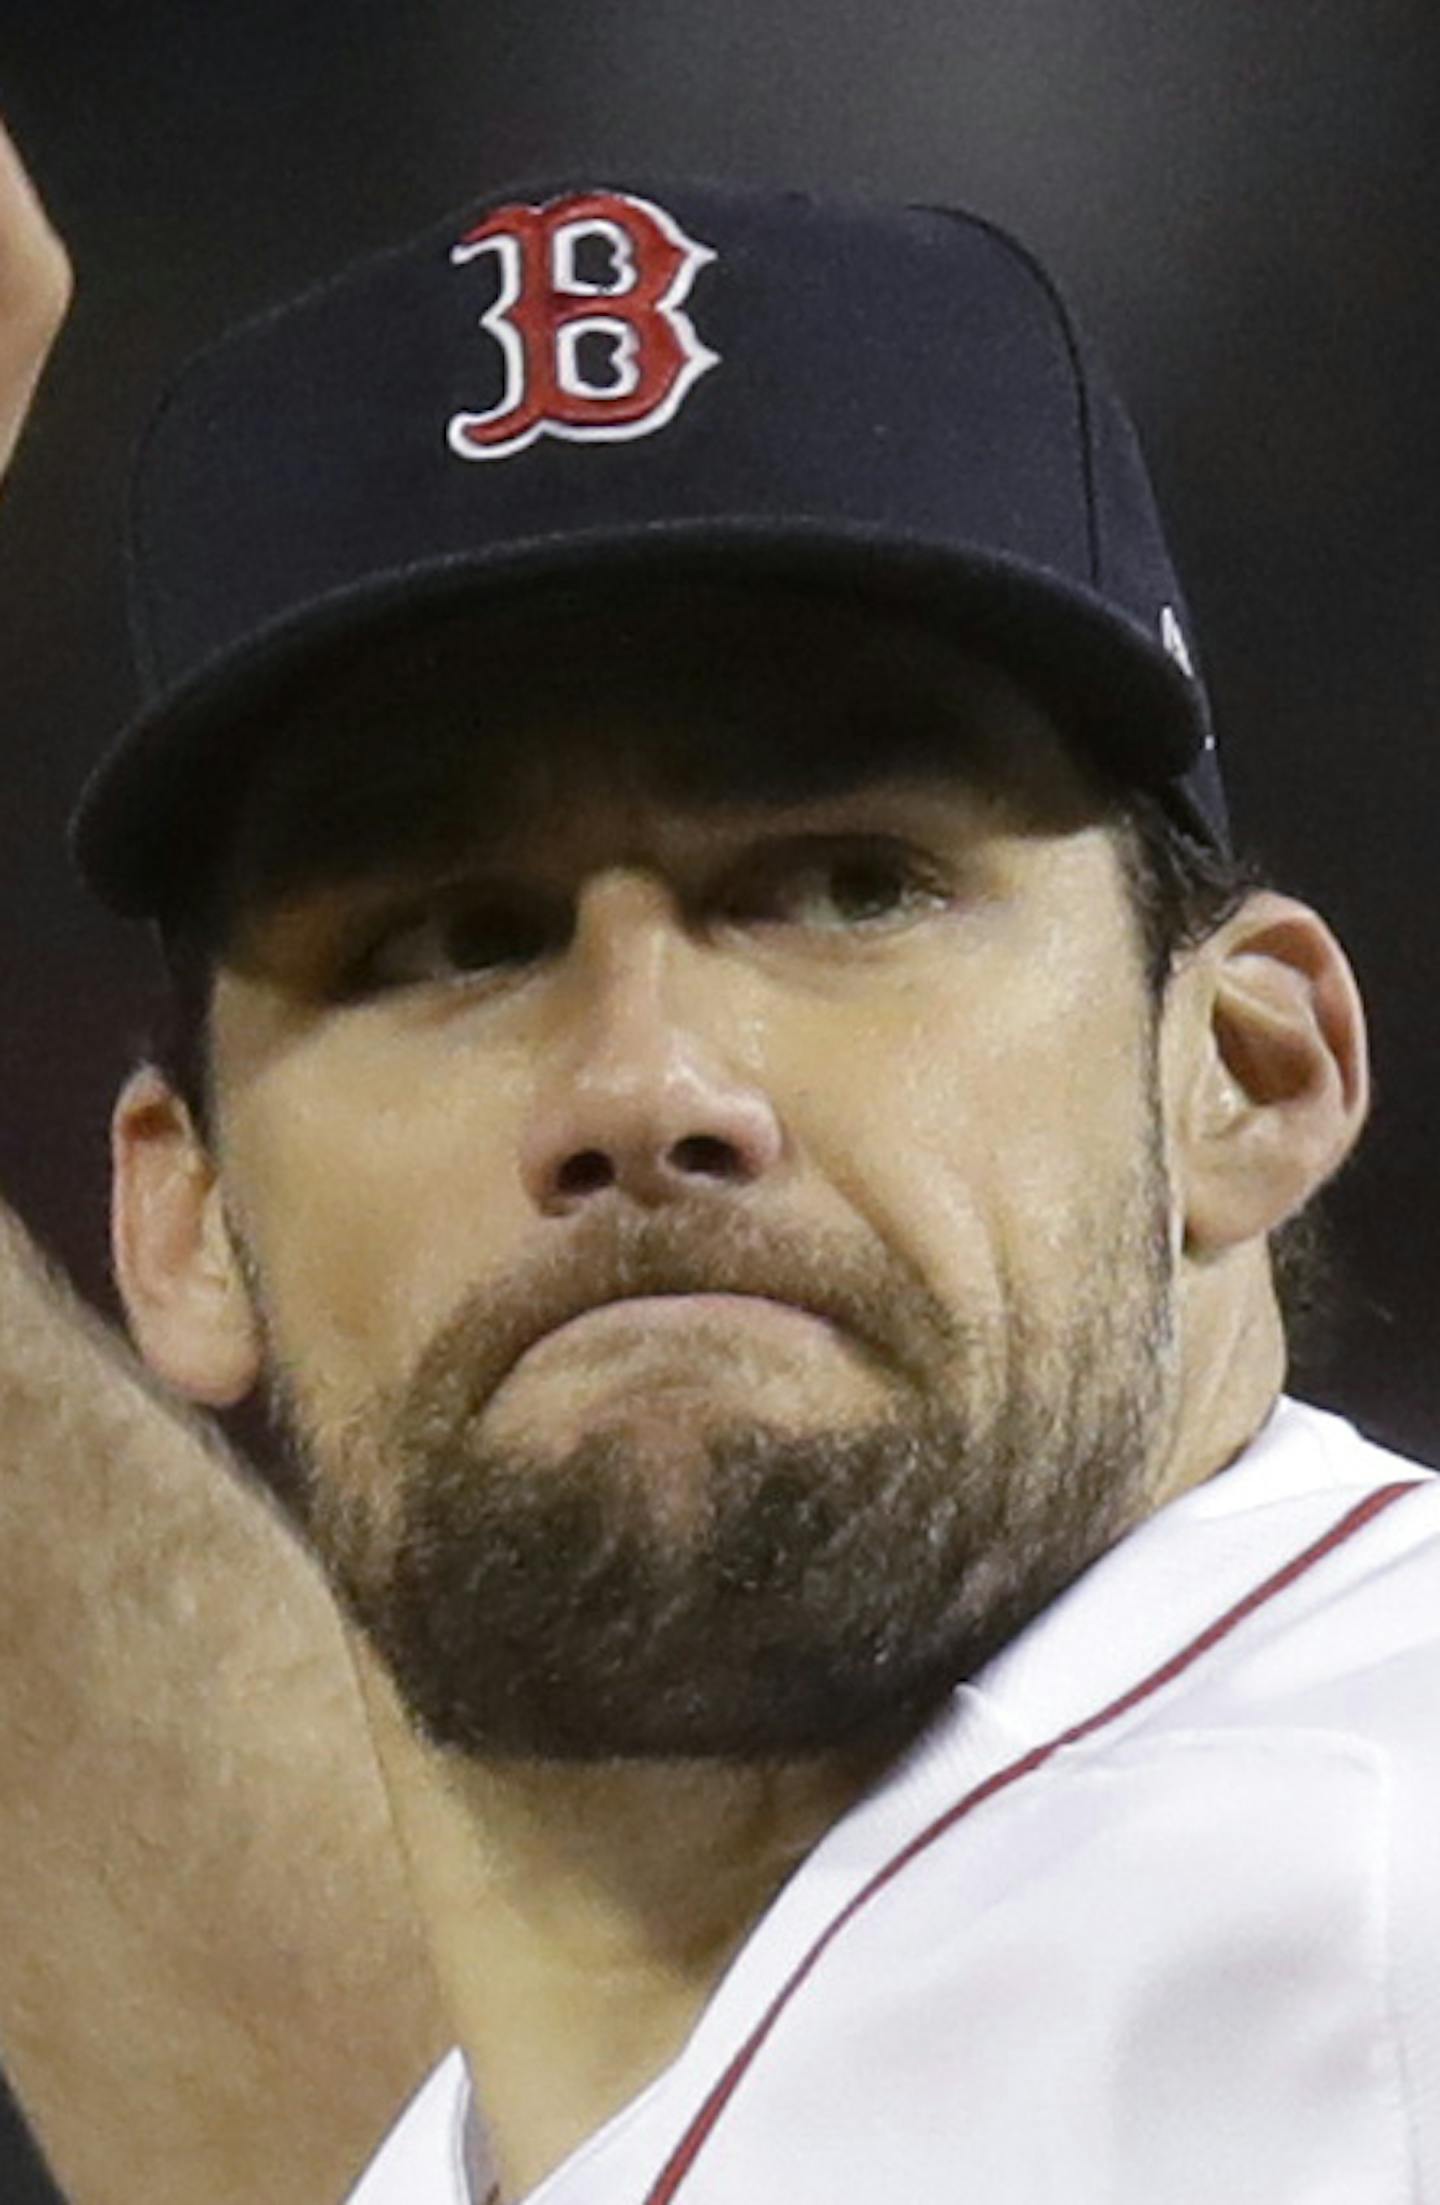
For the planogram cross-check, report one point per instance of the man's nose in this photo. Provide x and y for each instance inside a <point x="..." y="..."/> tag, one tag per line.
<point x="634" y="1094"/>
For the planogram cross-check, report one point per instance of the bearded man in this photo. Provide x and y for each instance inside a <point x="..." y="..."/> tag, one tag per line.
<point x="754" y="1228"/>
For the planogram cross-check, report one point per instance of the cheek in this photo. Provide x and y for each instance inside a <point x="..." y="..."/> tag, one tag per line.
<point x="1000" y="1134"/>
<point x="371" y="1191"/>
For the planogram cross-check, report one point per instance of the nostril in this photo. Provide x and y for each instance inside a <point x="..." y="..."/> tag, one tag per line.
<point x="590" y="1169"/>
<point x="702" y="1152"/>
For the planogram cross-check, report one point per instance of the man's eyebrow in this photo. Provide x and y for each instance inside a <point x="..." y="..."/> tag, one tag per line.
<point x="315" y="824"/>
<point x="863" y="747"/>
<point x="401" y="871"/>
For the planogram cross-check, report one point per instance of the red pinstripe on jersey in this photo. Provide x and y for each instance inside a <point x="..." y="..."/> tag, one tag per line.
<point x="683" y="2159"/>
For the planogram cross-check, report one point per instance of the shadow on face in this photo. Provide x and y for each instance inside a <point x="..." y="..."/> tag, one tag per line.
<point x="700" y="696"/>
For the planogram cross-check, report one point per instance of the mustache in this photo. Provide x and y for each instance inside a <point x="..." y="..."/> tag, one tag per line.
<point x="866" y="1292"/>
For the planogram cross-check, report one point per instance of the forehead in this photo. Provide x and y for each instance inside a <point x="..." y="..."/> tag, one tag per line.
<point x="704" y="699"/>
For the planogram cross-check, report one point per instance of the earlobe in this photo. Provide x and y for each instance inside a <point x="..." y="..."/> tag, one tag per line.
<point x="184" y="1292"/>
<point x="1277" y="1077"/>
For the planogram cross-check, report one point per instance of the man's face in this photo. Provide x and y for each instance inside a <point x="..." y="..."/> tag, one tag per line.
<point x="624" y="977"/>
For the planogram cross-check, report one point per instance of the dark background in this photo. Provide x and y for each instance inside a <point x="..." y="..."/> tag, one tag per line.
<point x="1243" y="201"/>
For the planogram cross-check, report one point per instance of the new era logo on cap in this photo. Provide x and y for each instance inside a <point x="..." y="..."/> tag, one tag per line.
<point x="1172" y="635"/>
<point x="547" y="310"/>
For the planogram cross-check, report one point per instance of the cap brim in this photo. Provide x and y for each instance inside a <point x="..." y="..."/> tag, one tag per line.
<point x="148" y="819"/>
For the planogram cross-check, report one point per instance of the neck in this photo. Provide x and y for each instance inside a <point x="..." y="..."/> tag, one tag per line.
<point x="583" y="1915"/>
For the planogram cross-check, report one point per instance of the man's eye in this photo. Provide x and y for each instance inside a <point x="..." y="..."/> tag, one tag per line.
<point x="841" y="891"/>
<point x="447" y="945"/>
<point x="867" y="887"/>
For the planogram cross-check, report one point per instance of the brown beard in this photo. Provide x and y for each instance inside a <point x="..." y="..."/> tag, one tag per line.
<point x="819" y="1589"/>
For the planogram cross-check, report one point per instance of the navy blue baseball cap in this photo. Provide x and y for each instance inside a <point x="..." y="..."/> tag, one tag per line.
<point x="575" y="379"/>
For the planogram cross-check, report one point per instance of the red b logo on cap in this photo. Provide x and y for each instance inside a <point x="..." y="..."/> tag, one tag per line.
<point x="546" y="309"/>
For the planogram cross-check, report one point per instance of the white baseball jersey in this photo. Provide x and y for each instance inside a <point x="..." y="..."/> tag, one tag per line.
<point x="1149" y="1916"/>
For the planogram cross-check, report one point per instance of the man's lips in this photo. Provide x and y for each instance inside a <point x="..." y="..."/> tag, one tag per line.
<point x="662" y="1306"/>
<point x="665" y="1312"/>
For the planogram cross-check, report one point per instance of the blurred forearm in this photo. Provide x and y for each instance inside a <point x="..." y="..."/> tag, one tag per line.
<point x="211" y="1984"/>
<point x="35" y="289"/>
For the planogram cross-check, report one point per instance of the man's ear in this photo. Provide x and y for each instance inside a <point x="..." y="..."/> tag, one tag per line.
<point x="1268" y="1060"/>
<point x="184" y="1291"/>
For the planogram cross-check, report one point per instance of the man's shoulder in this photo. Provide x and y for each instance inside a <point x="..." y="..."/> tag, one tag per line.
<point x="1343" y="1631"/>
<point x="1379" y="1557"/>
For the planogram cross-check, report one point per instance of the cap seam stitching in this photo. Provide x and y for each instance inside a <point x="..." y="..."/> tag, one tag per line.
<point x="1060" y="309"/>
